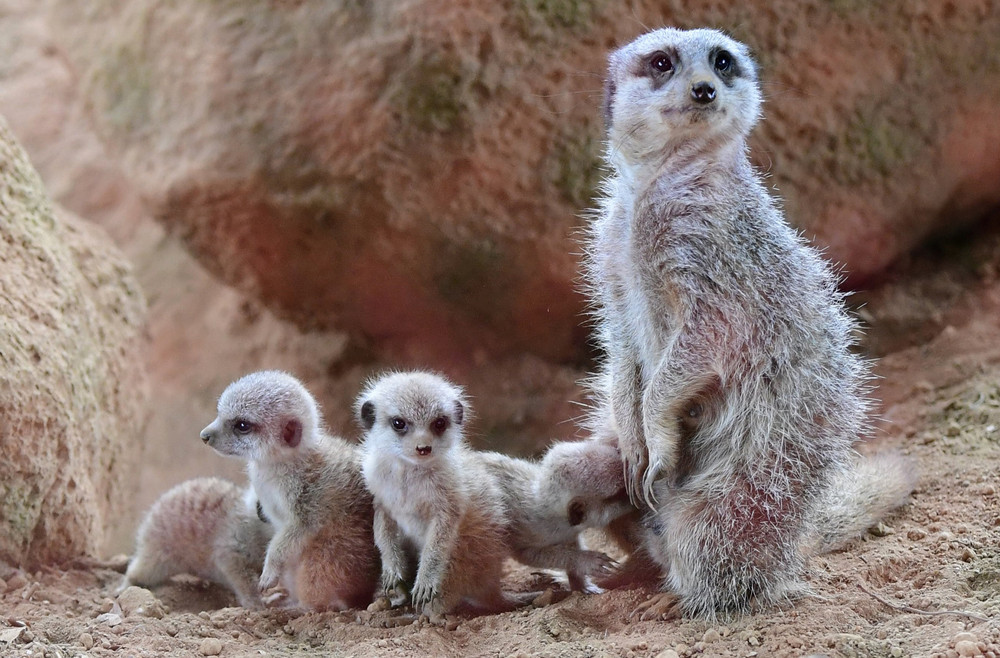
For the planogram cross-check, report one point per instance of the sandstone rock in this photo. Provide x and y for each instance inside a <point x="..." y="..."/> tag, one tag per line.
<point x="71" y="374"/>
<point x="413" y="172"/>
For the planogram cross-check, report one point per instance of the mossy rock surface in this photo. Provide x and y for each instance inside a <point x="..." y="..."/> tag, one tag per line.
<point x="72" y="393"/>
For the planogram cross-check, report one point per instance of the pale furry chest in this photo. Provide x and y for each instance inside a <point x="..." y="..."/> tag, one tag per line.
<point x="273" y="500"/>
<point x="634" y="304"/>
<point x="410" y="495"/>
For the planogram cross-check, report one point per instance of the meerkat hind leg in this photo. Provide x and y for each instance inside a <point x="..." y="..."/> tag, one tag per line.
<point x="626" y="408"/>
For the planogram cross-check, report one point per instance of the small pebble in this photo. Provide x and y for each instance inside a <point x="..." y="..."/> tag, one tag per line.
<point x="989" y="490"/>
<point x="795" y="642"/>
<point x="17" y="581"/>
<point x="896" y="652"/>
<point x="87" y="641"/>
<point x="681" y="648"/>
<point x="966" y="649"/>
<point x="881" y="530"/>
<point x="711" y="635"/>
<point x="668" y="653"/>
<point x="381" y="604"/>
<point x="968" y="555"/>
<point x="916" y="534"/>
<point x="211" y="646"/>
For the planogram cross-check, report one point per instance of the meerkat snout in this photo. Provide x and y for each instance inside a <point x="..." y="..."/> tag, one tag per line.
<point x="703" y="92"/>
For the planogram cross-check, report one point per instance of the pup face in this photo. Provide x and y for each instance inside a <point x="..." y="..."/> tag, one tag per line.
<point x="415" y="416"/>
<point x="585" y="480"/>
<point x="671" y="89"/>
<point x="264" y="415"/>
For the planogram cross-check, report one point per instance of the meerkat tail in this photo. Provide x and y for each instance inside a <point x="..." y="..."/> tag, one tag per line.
<point x="863" y="495"/>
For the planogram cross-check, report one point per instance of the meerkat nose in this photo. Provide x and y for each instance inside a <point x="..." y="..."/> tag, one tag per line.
<point x="703" y="92"/>
<point x="206" y="436"/>
<point x="423" y="451"/>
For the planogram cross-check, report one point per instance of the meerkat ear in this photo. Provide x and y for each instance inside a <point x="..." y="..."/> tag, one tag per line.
<point x="575" y="512"/>
<point x="367" y="414"/>
<point x="291" y="433"/>
<point x="459" y="412"/>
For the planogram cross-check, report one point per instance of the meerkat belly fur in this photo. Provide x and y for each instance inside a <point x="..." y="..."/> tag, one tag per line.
<point x="729" y="374"/>
<point x="309" y="486"/>
<point x="576" y="485"/>
<point x="206" y="527"/>
<point x="440" y="521"/>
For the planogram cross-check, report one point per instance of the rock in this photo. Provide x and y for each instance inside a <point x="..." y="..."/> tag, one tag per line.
<point x="86" y="641"/>
<point x="210" y="646"/>
<point x="668" y="653"/>
<point x="711" y="635"/>
<point x="140" y="601"/>
<point x="966" y="649"/>
<point x="442" y="170"/>
<point x="71" y="374"/>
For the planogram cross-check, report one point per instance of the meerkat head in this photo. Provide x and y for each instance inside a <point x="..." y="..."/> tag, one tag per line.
<point x="674" y="89"/>
<point x="585" y="480"/>
<point x="263" y="415"/>
<point x="416" y="416"/>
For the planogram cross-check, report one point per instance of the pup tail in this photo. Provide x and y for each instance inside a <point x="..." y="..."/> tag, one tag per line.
<point x="861" y="496"/>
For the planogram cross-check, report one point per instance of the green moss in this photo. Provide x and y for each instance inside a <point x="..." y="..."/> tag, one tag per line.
<point x="434" y="94"/>
<point x="125" y="80"/>
<point x="577" y="167"/>
<point x="19" y="511"/>
<point x="875" y="143"/>
<point x="475" y="277"/>
<point x="560" y="14"/>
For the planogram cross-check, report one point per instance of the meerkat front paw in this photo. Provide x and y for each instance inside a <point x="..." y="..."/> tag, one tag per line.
<point x="635" y="458"/>
<point x="661" y="606"/>
<point x="596" y="564"/>
<point x="394" y="590"/>
<point x="424" y="595"/>
<point x="269" y="577"/>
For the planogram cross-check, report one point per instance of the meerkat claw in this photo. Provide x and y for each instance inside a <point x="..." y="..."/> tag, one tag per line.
<point x="660" y="606"/>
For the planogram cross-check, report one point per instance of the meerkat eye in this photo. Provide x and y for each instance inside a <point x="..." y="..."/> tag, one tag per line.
<point x="439" y="425"/>
<point x="723" y="61"/>
<point x="241" y="426"/>
<point x="660" y="62"/>
<point x="399" y="425"/>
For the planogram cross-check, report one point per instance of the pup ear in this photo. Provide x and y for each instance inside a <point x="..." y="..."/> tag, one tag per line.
<point x="459" y="412"/>
<point x="291" y="434"/>
<point x="367" y="414"/>
<point x="576" y="512"/>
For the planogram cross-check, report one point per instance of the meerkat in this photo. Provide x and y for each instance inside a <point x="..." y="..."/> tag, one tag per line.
<point x="576" y="485"/>
<point x="206" y="527"/>
<point x="439" y="513"/>
<point x="309" y="486"/>
<point x="729" y="375"/>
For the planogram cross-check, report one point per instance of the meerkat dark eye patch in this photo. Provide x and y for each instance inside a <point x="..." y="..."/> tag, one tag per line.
<point x="367" y="414"/>
<point x="660" y="62"/>
<point x="725" y="64"/>
<point x="291" y="433"/>
<point x="241" y="426"/>
<point x="575" y="512"/>
<point x="439" y="425"/>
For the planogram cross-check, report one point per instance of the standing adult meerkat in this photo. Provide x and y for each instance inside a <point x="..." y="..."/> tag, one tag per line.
<point x="439" y="513"/>
<point x="576" y="485"/>
<point x="729" y="375"/>
<point x="206" y="527"/>
<point x="309" y="486"/>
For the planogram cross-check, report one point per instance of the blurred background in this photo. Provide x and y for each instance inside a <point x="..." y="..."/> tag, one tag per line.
<point x="335" y="188"/>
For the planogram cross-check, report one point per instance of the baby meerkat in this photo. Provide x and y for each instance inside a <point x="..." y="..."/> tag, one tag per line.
<point x="309" y="486"/>
<point x="206" y="527"/>
<point x="439" y="512"/>
<point x="729" y="378"/>
<point x="576" y="485"/>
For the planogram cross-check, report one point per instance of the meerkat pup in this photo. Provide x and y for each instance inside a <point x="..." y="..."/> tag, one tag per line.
<point x="439" y="512"/>
<point x="729" y="375"/>
<point x="576" y="485"/>
<point x="206" y="527"/>
<point x="309" y="486"/>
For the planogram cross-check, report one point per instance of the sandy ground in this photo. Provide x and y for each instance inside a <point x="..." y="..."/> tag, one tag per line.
<point x="926" y="583"/>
